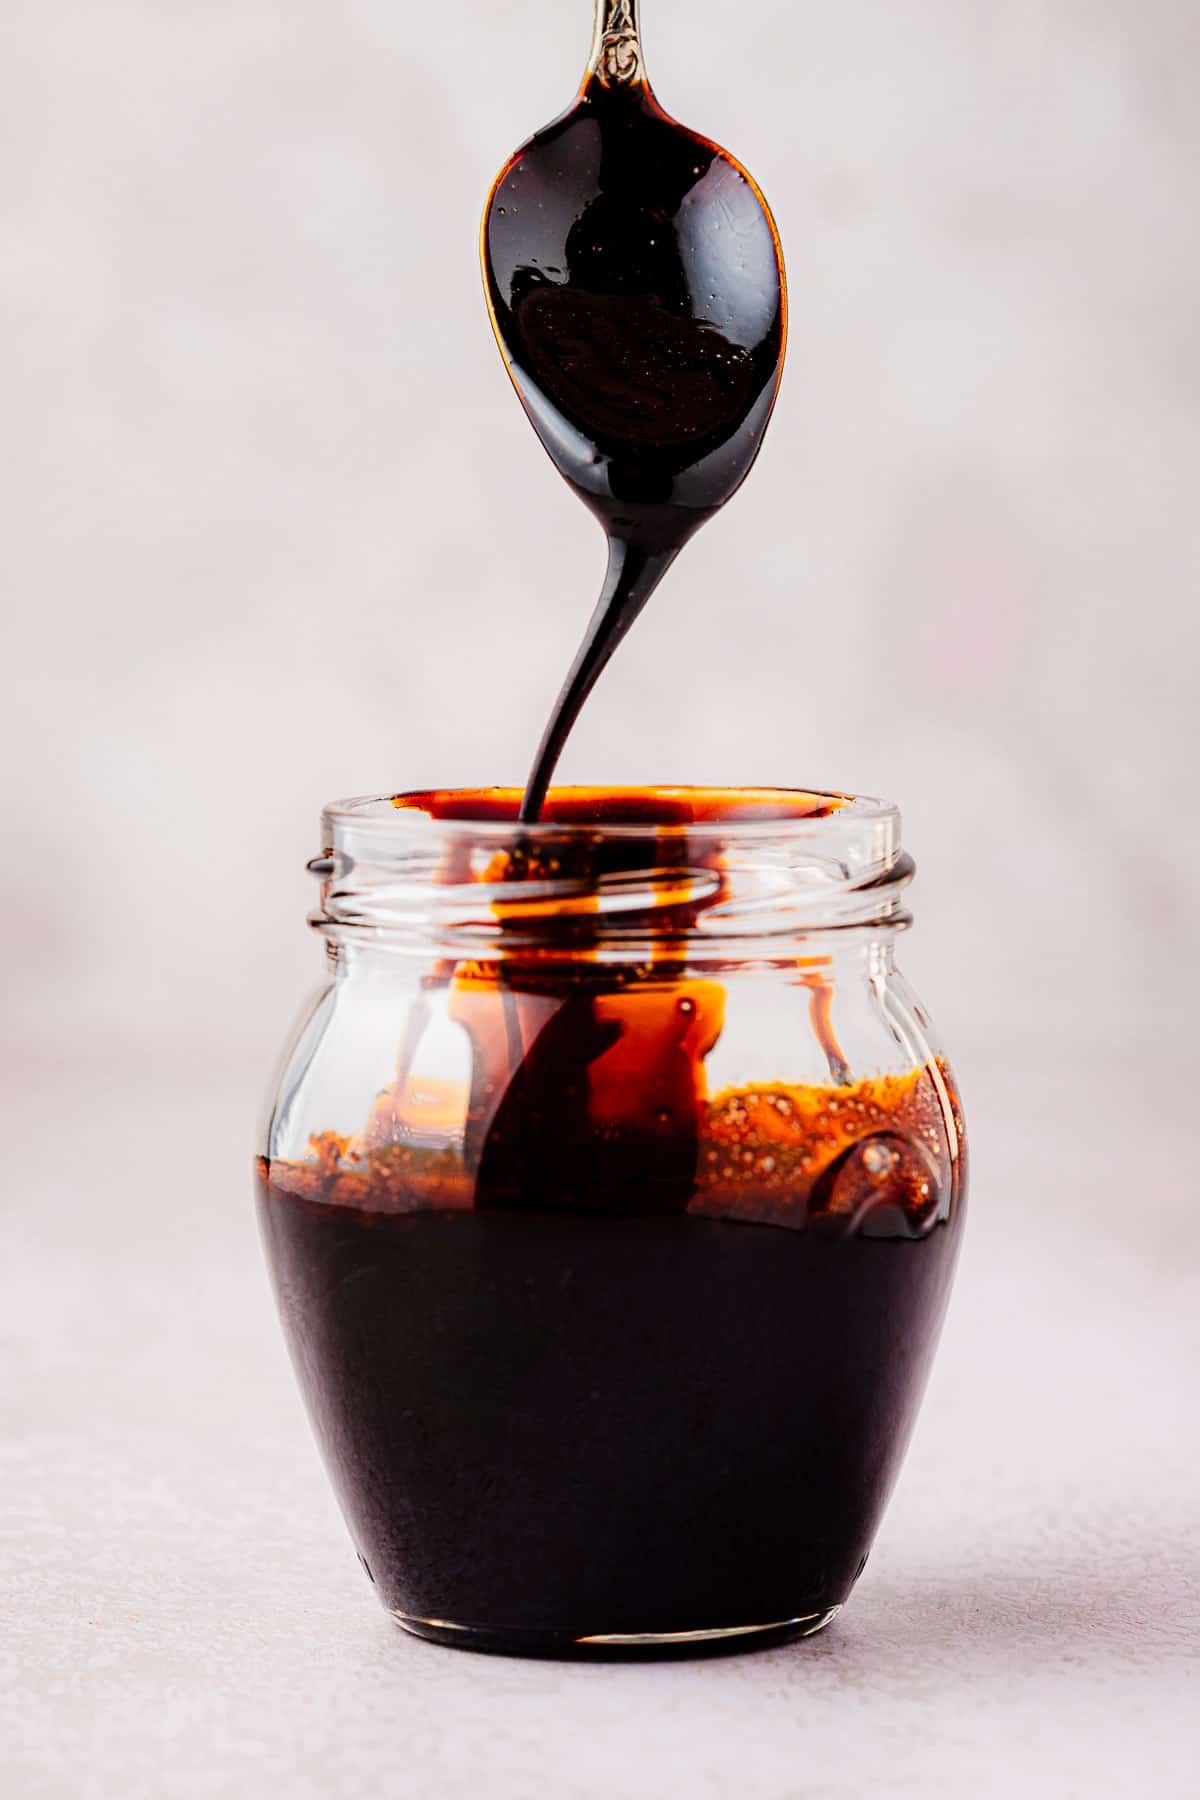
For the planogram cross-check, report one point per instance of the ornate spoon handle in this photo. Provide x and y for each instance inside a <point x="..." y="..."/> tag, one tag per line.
<point x="616" y="59"/>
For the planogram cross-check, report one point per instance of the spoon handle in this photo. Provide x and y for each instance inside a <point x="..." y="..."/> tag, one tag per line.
<point x="616" y="59"/>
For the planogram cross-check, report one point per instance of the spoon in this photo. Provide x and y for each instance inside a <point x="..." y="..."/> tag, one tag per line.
<point x="635" y="284"/>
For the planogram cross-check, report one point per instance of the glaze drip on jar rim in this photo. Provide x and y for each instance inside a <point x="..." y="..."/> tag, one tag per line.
<point x="629" y="807"/>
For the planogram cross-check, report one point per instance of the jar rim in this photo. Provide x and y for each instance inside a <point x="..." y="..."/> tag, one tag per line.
<point x="621" y="812"/>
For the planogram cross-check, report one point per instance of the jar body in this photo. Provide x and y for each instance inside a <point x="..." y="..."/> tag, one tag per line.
<point x="612" y="1281"/>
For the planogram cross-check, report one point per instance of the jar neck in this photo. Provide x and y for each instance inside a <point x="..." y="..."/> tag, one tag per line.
<point x="679" y="876"/>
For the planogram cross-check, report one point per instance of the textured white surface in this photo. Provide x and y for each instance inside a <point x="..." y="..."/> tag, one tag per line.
<point x="184" y="1615"/>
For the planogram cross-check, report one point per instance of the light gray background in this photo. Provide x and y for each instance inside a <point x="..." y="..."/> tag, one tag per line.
<point x="275" y="530"/>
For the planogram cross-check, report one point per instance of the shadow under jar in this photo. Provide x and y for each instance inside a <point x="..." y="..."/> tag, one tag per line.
<point x="612" y="1194"/>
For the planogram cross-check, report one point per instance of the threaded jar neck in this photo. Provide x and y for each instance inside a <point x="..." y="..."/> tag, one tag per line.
<point x="700" y="875"/>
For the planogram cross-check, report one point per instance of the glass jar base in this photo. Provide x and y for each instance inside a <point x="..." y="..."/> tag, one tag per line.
<point x="620" y="1646"/>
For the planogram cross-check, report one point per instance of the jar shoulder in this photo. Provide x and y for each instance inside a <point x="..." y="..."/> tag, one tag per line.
<point x="813" y="1091"/>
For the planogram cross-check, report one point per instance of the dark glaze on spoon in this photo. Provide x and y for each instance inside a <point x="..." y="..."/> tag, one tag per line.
<point x="635" y="284"/>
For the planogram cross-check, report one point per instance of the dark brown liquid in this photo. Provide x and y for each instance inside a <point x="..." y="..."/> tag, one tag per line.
<point x="635" y="283"/>
<point x="622" y="1355"/>
<point x="547" y="1426"/>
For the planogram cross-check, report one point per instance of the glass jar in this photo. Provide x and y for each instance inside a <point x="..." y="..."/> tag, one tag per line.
<point x="612" y="1193"/>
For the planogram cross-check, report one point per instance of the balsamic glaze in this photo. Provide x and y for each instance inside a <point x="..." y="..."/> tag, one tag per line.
<point x="635" y="283"/>
<point x="590" y="1348"/>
